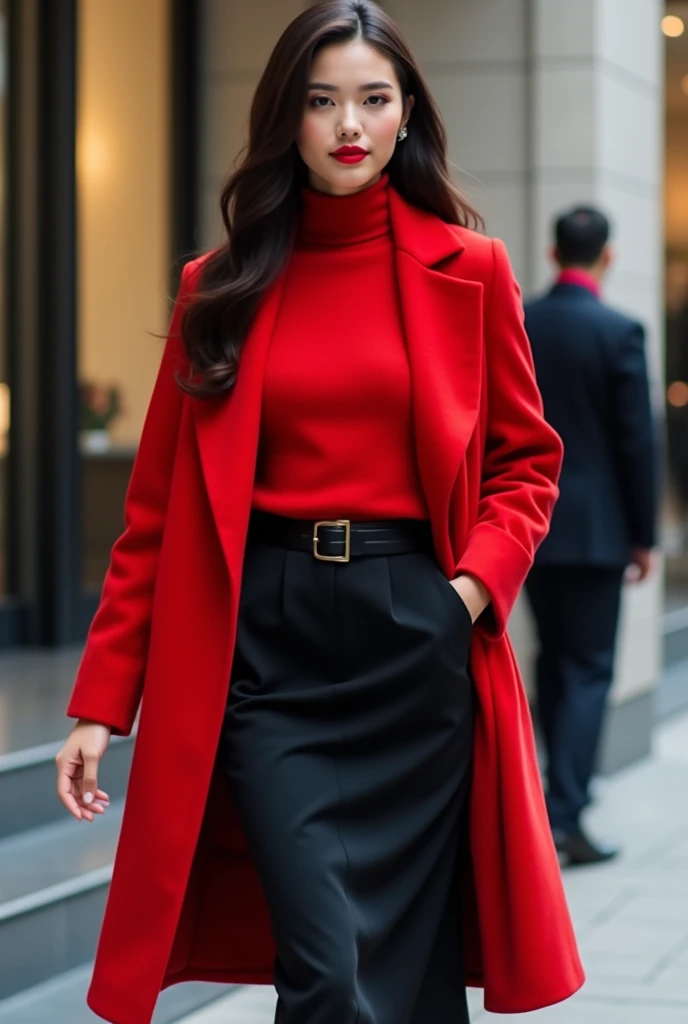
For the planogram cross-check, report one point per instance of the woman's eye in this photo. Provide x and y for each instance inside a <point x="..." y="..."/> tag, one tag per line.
<point x="318" y="102"/>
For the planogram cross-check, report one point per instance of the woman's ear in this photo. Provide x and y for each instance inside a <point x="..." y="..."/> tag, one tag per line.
<point x="408" y="107"/>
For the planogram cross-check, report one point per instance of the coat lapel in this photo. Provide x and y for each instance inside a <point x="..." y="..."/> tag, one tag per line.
<point x="442" y="317"/>
<point x="228" y="432"/>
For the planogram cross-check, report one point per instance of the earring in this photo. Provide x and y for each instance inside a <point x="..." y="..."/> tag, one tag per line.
<point x="403" y="133"/>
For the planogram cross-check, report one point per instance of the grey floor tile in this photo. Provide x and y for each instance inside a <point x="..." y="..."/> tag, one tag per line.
<point x="650" y="908"/>
<point x="673" y="972"/>
<point x="595" y="1011"/>
<point x="632" y="973"/>
<point x="475" y="1004"/>
<point x="626" y="939"/>
<point x="665" y="991"/>
<point x="671" y="742"/>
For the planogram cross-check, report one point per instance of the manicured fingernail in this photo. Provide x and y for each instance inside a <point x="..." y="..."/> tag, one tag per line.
<point x="88" y="798"/>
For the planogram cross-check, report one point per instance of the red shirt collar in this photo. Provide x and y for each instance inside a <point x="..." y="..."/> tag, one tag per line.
<point x="580" y="278"/>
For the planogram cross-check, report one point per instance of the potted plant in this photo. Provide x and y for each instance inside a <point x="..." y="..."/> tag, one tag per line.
<point x="100" y="404"/>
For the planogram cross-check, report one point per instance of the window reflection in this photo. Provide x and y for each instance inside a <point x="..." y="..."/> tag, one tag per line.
<point x="123" y="165"/>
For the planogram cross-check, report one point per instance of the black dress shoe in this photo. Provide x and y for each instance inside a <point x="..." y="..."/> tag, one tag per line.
<point x="577" y="848"/>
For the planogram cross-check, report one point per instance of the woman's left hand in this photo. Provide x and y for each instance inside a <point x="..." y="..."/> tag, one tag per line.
<point x="473" y="594"/>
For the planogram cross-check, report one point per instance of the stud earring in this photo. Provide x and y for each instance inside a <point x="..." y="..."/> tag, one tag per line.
<point x="403" y="134"/>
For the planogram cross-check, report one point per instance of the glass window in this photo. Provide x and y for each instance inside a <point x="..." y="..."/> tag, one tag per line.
<point x="123" y="167"/>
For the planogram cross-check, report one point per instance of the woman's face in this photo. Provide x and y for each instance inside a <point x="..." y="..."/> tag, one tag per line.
<point x="354" y="100"/>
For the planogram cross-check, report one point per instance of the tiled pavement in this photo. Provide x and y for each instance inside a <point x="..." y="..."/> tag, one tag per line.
<point x="631" y="916"/>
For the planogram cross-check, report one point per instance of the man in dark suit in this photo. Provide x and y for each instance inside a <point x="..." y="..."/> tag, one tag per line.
<point x="591" y="369"/>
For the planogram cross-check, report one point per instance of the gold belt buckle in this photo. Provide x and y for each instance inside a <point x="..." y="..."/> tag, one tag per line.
<point x="346" y="523"/>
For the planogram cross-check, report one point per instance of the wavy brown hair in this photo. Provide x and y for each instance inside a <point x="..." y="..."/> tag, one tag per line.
<point x="260" y="201"/>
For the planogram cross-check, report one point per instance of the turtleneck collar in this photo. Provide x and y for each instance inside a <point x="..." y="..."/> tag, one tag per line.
<point x="328" y="220"/>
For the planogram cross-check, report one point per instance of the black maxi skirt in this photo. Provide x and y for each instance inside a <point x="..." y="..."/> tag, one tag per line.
<point x="348" y="744"/>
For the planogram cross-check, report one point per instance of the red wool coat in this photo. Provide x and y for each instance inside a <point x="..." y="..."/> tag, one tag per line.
<point x="185" y="902"/>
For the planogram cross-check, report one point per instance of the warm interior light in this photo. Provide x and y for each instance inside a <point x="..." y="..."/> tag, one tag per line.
<point x="92" y="155"/>
<point x="677" y="394"/>
<point x="4" y="417"/>
<point x="673" y="26"/>
<point x="684" y="84"/>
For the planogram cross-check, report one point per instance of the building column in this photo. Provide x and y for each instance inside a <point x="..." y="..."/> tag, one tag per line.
<point x="548" y="105"/>
<point x="596" y="103"/>
<point x="474" y="57"/>
<point x="42" y="320"/>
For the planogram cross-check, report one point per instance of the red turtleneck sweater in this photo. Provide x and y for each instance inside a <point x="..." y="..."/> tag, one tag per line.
<point x="336" y="430"/>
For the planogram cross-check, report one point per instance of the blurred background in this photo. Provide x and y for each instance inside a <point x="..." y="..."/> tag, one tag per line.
<point x="118" y="124"/>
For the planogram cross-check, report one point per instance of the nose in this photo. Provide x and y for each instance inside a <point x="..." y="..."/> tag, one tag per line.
<point x="349" y="125"/>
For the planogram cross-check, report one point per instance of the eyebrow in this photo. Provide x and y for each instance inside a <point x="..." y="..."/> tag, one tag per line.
<point x="369" y="87"/>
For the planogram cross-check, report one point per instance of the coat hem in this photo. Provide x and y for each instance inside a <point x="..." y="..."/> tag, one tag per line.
<point x="261" y="977"/>
<point x="102" y="1013"/>
<point x="497" y="1005"/>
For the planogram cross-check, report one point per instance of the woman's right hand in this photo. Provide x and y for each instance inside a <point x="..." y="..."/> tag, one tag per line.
<point x="77" y="770"/>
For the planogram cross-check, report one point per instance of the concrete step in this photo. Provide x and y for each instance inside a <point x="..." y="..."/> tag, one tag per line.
<point x="53" y="883"/>
<point x="62" y="1000"/>
<point x="55" y="871"/>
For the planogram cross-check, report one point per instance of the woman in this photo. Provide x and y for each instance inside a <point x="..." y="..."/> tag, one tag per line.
<point x="341" y="483"/>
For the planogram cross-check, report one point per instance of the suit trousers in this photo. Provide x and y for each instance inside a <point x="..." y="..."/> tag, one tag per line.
<point x="576" y="610"/>
<point x="347" y="742"/>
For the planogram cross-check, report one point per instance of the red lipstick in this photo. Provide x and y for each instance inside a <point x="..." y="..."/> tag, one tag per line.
<point x="350" y="154"/>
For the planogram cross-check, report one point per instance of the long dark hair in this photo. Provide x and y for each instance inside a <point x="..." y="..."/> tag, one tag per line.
<point x="260" y="201"/>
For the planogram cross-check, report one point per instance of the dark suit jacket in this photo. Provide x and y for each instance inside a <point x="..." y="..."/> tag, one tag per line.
<point x="591" y="370"/>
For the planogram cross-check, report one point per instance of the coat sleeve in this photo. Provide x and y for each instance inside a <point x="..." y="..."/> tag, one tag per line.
<point x="521" y="460"/>
<point x="635" y="438"/>
<point x="110" y="677"/>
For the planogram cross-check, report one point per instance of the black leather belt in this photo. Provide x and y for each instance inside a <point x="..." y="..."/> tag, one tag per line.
<point x="339" y="540"/>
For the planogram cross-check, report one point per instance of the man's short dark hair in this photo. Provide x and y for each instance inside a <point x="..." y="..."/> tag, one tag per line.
<point x="581" y="235"/>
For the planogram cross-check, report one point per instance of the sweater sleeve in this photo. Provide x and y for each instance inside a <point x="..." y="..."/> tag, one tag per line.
<point x="109" y="681"/>
<point x="521" y="461"/>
